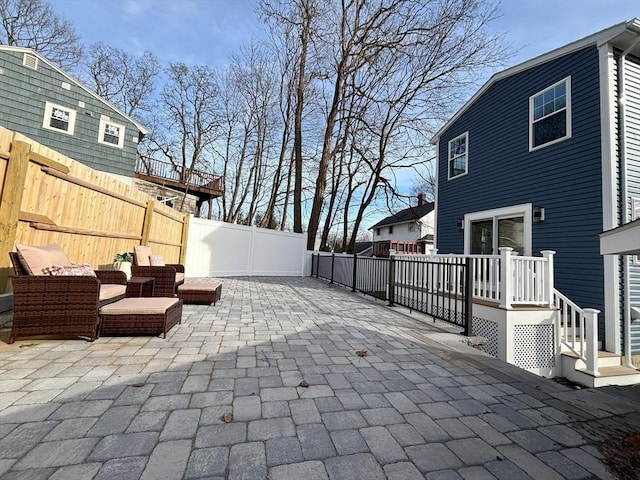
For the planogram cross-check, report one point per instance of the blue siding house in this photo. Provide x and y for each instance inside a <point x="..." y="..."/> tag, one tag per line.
<point x="546" y="156"/>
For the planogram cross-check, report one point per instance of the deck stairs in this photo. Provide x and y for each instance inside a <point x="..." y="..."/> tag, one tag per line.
<point x="611" y="370"/>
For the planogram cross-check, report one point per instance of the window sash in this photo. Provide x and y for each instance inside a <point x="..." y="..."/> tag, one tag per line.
<point x="457" y="155"/>
<point x="550" y="115"/>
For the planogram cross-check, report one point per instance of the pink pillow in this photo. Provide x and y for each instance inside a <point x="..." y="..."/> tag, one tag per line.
<point x="156" y="260"/>
<point x="84" y="269"/>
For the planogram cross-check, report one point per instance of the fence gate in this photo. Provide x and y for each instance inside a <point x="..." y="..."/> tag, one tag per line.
<point x="439" y="288"/>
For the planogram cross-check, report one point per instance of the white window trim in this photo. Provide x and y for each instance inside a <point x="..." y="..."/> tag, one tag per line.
<point x="449" y="159"/>
<point x="48" y="109"/>
<point x="103" y="123"/>
<point x="524" y="209"/>
<point x="566" y="80"/>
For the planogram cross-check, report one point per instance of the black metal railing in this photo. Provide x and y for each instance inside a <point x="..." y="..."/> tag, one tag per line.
<point x="439" y="289"/>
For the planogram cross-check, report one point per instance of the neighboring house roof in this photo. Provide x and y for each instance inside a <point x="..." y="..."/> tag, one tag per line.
<point x="406" y="215"/>
<point x="624" y="33"/>
<point x="75" y="81"/>
<point x="361" y="247"/>
<point x="428" y="238"/>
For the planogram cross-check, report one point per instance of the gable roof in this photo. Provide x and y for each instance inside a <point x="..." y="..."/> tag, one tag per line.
<point x="72" y="79"/>
<point x="361" y="247"/>
<point x="624" y="35"/>
<point x="406" y="215"/>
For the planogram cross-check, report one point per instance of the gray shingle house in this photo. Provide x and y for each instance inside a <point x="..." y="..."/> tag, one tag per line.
<point x="43" y="102"/>
<point x="546" y="156"/>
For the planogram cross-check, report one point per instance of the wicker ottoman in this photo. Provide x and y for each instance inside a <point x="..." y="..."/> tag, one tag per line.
<point x="200" y="293"/>
<point x="141" y="316"/>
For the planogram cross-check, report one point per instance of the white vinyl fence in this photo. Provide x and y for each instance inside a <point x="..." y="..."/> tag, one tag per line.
<point x="218" y="249"/>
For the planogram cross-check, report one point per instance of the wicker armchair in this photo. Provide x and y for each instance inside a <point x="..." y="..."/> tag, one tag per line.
<point x="167" y="277"/>
<point x="62" y="305"/>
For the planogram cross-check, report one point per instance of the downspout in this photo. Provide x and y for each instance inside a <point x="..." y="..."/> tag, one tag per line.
<point x="625" y="210"/>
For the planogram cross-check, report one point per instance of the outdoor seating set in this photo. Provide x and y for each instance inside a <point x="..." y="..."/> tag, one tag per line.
<point x="51" y="296"/>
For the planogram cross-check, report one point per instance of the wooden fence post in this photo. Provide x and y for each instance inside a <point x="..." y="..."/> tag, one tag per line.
<point x="12" y="191"/>
<point x="146" y="226"/>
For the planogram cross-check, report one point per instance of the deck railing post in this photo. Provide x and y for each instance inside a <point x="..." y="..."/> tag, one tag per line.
<point x="467" y="297"/>
<point x="591" y="327"/>
<point x="313" y="257"/>
<point x="548" y="276"/>
<point x="317" y="264"/>
<point x="355" y="277"/>
<point x="333" y="261"/>
<point x="392" y="280"/>
<point x="506" y="277"/>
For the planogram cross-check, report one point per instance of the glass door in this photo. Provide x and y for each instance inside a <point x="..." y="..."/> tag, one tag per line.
<point x="488" y="235"/>
<point x="482" y="237"/>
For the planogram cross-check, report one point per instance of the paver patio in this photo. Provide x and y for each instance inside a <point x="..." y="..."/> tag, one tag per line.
<point x="413" y="407"/>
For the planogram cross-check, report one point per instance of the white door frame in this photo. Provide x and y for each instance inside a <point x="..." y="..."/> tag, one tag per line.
<point x="524" y="209"/>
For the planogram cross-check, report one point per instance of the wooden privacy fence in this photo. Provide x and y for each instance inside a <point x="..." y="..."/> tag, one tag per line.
<point x="47" y="197"/>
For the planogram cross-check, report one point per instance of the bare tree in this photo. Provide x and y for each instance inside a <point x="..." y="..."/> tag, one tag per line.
<point x="188" y="120"/>
<point x="34" y="24"/>
<point x="121" y="78"/>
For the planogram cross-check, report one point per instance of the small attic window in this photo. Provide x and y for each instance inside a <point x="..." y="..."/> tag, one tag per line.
<point x="30" y="61"/>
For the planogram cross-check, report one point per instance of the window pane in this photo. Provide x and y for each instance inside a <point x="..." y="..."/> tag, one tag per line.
<point x="511" y="233"/>
<point x="482" y="237"/>
<point x="550" y="128"/>
<point x="111" y="134"/>
<point x="59" y="119"/>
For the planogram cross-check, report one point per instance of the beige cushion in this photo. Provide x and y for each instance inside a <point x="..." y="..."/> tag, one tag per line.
<point x="142" y="253"/>
<point x="200" y="287"/>
<point x="156" y="260"/>
<point x="110" y="290"/>
<point x="139" y="305"/>
<point x="179" y="277"/>
<point x="36" y="259"/>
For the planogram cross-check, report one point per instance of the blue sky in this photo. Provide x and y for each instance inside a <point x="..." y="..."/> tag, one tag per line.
<point x="207" y="32"/>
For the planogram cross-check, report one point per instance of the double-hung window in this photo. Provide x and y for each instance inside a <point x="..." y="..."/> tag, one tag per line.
<point x="59" y="118"/>
<point x="458" y="155"/>
<point x="550" y="115"/>
<point x="111" y="133"/>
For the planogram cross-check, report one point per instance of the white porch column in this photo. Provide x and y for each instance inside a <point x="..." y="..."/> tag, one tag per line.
<point x="548" y="276"/>
<point x="506" y="278"/>
<point x="591" y="337"/>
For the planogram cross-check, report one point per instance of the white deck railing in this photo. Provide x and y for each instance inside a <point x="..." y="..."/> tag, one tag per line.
<point x="529" y="279"/>
<point x="578" y="330"/>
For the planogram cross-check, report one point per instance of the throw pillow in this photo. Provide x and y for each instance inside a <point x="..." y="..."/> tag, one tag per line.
<point x="156" y="260"/>
<point x="84" y="269"/>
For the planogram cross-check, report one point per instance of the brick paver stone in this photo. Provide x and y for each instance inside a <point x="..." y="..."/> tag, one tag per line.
<point x="146" y="407"/>
<point x="313" y="470"/>
<point x="247" y="461"/>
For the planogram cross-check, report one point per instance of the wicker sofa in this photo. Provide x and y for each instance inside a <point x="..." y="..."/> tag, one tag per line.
<point x="167" y="277"/>
<point x="58" y="305"/>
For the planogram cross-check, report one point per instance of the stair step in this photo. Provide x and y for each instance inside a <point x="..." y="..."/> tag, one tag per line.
<point x="619" y="375"/>
<point x="605" y="359"/>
